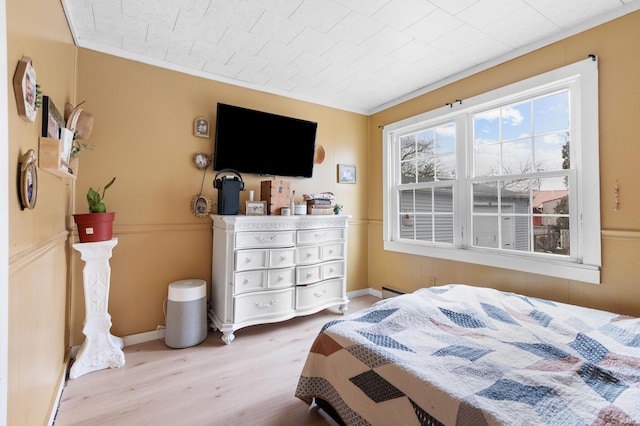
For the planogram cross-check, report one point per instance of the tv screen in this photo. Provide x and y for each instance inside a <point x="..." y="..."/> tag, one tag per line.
<point x="262" y="143"/>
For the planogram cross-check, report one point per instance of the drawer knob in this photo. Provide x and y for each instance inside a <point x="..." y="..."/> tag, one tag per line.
<point x="319" y="293"/>
<point x="331" y="270"/>
<point x="247" y="260"/>
<point x="309" y="274"/>
<point x="330" y="251"/>
<point x="308" y="255"/>
<point x="262" y="305"/>
<point x="283" y="258"/>
<point x="280" y="278"/>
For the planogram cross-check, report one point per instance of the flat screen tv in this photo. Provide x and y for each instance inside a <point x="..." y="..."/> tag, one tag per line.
<point x="263" y="143"/>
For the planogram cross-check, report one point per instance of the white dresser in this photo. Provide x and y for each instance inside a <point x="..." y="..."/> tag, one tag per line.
<point x="273" y="268"/>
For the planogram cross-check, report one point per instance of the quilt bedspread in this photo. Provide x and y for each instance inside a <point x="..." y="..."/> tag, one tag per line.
<point x="464" y="355"/>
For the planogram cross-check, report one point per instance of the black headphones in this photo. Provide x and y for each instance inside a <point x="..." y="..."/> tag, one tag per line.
<point x="217" y="182"/>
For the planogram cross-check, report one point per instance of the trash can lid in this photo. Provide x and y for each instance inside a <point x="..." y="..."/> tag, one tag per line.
<point x="186" y="290"/>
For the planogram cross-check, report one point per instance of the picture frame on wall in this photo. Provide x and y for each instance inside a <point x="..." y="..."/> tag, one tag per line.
<point x="52" y="120"/>
<point x="346" y="173"/>
<point x="28" y="180"/>
<point x="256" y="208"/>
<point x="201" y="127"/>
<point x="26" y="89"/>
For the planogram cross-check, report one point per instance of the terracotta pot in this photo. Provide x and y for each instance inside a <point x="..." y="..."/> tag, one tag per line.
<point x="94" y="227"/>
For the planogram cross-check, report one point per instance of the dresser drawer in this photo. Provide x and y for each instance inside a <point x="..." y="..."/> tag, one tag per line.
<point x="272" y="303"/>
<point x="281" y="258"/>
<point x="265" y="239"/>
<point x="318" y="294"/>
<point x="332" y="269"/>
<point x="312" y="236"/>
<point x="308" y="274"/>
<point x="249" y="281"/>
<point x="332" y="251"/>
<point x="251" y="259"/>
<point x="306" y="255"/>
<point x="281" y="278"/>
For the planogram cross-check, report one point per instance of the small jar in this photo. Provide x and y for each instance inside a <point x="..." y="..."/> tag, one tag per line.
<point x="301" y="209"/>
<point x="285" y="211"/>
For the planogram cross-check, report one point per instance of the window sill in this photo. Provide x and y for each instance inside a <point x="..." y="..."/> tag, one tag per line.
<point x="543" y="265"/>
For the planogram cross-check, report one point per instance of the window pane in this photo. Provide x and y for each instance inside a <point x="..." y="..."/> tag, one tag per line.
<point x="552" y="152"/>
<point x="407" y="147"/>
<point x="407" y="226"/>
<point x="443" y="199"/>
<point x="423" y="200"/>
<point x="446" y="142"/>
<point x="485" y="194"/>
<point x="515" y="233"/>
<point x="426" y="143"/>
<point x="487" y="160"/>
<point x="486" y="128"/>
<point x="426" y="170"/>
<point x="446" y="169"/>
<point x="516" y="121"/>
<point x="424" y="228"/>
<point x="444" y="229"/>
<point x="553" y="237"/>
<point x="516" y="194"/>
<point x="408" y="170"/>
<point x="551" y="113"/>
<point x="485" y="231"/>
<point x="406" y="201"/>
<point x="517" y="157"/>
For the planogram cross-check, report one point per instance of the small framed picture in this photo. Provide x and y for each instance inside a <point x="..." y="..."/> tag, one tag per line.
<point x="201" y="205"/>
<point x="346" y="173"/>
<point x="256" y="208"/>
<point x="52" y="120"/>
<point x="26" y="89"/>
<point x="201" y="127"/>
<point x="28" y="180"/>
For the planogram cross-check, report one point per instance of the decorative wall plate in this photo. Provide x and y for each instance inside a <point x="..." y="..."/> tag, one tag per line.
<point x="28" y="180"/>
<point x="201" y="160"/>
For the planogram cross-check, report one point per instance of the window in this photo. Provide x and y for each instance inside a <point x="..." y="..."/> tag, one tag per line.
<point x="508" y="178"/>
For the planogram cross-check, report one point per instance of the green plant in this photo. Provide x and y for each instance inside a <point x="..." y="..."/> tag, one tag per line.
<point x="96" y="203"/>
<point x="337" y="208"/>
<point x="77" y="147"/>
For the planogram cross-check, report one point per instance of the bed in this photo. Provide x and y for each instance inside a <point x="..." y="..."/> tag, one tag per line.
<point x="464" y="355"/>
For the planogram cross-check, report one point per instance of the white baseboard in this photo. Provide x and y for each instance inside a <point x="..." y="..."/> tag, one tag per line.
<point x="147" y="336"/>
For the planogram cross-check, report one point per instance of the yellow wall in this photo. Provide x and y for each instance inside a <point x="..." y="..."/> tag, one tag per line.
<point x="37" y="238"/>
<point x="143" y="134"/>
<point x="616" y="45"/>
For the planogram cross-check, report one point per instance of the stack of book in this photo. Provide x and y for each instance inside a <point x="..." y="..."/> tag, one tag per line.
<point x="319" y="206"/>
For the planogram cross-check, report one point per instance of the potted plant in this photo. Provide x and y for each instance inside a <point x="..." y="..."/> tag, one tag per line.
<point x="337" y="208"/>
<point x="97" y="225"/>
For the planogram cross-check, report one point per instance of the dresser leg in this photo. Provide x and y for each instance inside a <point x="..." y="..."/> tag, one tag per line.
<point x="228" y="337"/>
<point x="344" y="308"/>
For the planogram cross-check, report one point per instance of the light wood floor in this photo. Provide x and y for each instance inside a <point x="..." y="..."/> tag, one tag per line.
<point x="252" y="381"/>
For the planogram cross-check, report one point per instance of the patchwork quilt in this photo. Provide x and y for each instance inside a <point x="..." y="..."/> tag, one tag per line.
<point x="463" y="355"/>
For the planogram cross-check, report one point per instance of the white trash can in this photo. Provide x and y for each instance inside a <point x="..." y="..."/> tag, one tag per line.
<point x="186" y="323"/>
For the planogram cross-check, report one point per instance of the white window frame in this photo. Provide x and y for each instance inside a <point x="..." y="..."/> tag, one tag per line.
<point x="584" y="264"/>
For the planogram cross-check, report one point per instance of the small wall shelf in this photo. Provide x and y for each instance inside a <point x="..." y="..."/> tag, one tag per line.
<point x="49" y="159"/>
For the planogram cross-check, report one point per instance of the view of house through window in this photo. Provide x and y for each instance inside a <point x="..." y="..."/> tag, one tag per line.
<point x="520" y="179"/>
<point x="502" y="173"/>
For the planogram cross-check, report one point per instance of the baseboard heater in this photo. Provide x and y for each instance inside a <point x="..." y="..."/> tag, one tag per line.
<point x="388" y="292"/>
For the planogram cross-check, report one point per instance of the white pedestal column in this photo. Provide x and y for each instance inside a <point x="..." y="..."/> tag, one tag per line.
<point x="100" y="349"/>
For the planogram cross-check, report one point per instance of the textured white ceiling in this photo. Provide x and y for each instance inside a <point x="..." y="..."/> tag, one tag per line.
<point x="356" y="55"/>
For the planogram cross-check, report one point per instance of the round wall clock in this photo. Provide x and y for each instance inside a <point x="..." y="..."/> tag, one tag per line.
<point x="28" y="180"/>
